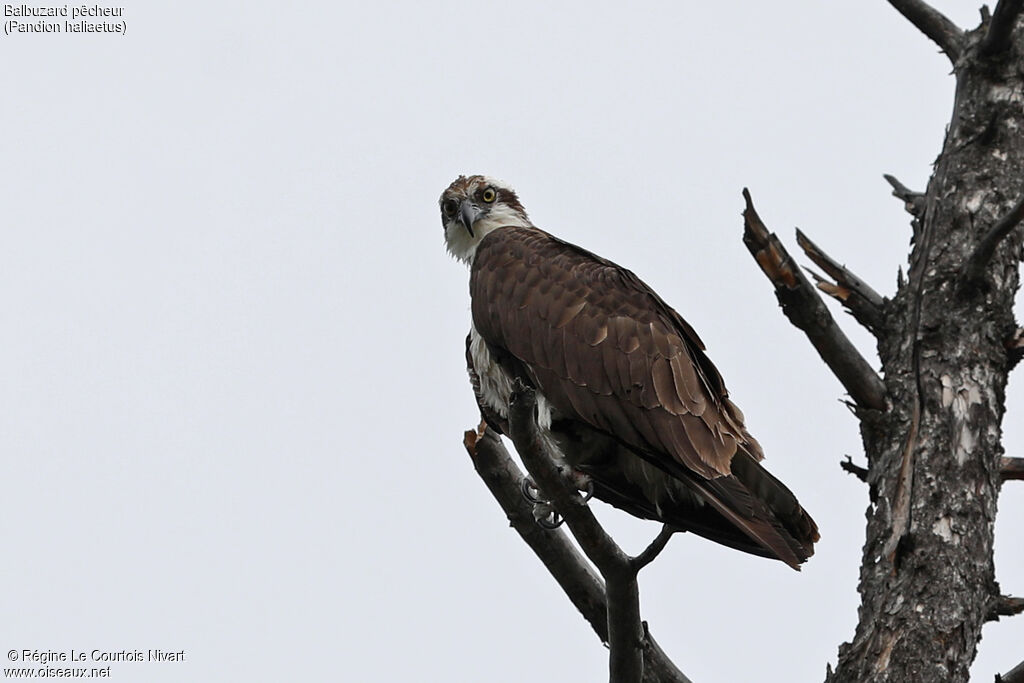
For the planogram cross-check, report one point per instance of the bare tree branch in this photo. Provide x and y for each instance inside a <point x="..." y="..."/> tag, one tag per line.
<point x="805" y="309"/>
<point x="654" y="549"/>
<point x="1011" y="468"/>
<point x="554" y="549"/>
<point x="933" y="24"/>
<point x="868" y="316"/>
<point x="1005" y="606"/>
<point x="913" y="202"/>
<point x="625" y="628"/>
<point x="838" y="272"/>
<point x="1015" y="347"/>
<point x="856" y="470"/>
<point x="658" y="668"/>
<point x="974" y="269"/>
<point x="576" y="577"/>
<point x="551" y="478"/>
<point x="1014" y="675"/>
<point x="1001" y="28"/>
<point x="863" y="302"/>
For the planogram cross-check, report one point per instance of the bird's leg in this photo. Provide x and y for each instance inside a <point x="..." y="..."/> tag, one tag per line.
<point x="543" y="512"/>
<point x="547" y="516"/>
<point x="583" y="483"/>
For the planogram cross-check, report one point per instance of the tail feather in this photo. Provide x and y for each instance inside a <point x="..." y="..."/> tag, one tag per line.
<point x="750" y="510"/>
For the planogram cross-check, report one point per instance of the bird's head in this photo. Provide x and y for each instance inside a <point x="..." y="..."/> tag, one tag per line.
<point x="472" y="207"/>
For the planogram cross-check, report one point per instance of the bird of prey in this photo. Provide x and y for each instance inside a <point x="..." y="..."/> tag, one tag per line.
<point x="625" y="392"/>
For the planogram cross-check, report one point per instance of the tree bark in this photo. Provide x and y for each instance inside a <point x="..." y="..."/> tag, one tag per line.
<point x="927" y="579"/>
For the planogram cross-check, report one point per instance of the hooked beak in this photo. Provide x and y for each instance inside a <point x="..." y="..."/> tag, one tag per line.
<point x="468" y="213"/>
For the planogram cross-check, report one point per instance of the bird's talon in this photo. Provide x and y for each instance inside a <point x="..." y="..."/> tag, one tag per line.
<point x="530" y="492"/>
<point x="588" y="491"/>
<point x="583" y="483"/>
<point x="546" y="516"/>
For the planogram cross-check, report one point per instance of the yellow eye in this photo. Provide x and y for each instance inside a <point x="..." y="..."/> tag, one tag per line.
<point x="489" y="195"/>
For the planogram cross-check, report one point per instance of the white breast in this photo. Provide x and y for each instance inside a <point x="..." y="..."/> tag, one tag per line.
<point x="496" y="384"/>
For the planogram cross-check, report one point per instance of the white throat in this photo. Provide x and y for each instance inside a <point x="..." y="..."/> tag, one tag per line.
<point x="463" y="246"/>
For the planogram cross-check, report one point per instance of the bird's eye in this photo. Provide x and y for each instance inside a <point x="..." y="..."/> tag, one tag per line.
<point x="489" y="195"/>
<point x="450" y="206"/>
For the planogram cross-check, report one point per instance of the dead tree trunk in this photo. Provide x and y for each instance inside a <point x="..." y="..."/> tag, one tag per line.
<point x="927" y="577"/>
<point x="946" y="343"/>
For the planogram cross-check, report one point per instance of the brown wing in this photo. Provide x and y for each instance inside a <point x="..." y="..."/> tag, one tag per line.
<point x="602" y="346"/>
<point x="607" y="351"/>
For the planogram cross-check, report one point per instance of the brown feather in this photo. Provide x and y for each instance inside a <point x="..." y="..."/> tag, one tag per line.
<point x="687" y="385"/>
<point x="610" y="356"/>
<point x="626" y="338"/>
<point x="665" y="388"/>
<point x="569" y="312"/>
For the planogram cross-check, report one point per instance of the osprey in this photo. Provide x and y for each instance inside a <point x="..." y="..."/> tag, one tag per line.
<point x="625" y="392"/>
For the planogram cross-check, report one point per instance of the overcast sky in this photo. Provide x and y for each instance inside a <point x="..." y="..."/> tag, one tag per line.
<point x="232" y="384"/>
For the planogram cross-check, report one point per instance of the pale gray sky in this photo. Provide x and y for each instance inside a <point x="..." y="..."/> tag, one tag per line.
<point x="233" y="388"/>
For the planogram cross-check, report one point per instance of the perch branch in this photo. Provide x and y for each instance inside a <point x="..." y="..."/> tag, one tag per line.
<point x="1014" y="675"/>
<point x="504" y="479"/>
<point x="625" y="629"/>
<point x="863" y="302"/>
<point x="805" y="309"/>
<point x="554" y="549"/>
<point x="1004" y="606"/>
<point x="913" y="202"/>
<point x="933" y="24"/>
<point x="974" y="269"/>
<point x="551" y="478"/>
<point x="1011" y="468"/>
<point x="1004" y="18"/>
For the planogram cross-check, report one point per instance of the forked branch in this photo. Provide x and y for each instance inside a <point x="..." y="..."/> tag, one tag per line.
<point x="573" y="573"/>
<point x="626" y="633"/>
<point x="552" y="479"/>
<point x="805" y="309"/>
<point x="933" y="24"/>
<point x="504" y="479"/>
<point x="1000" y="29"/>
<point x="652" y="551"/>
<point x="863" y="302"/>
